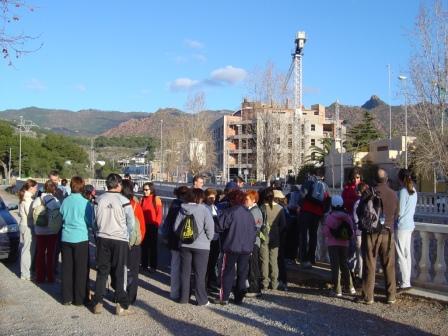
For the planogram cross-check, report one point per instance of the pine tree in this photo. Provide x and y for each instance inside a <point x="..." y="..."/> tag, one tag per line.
<point x="360" y="135"/>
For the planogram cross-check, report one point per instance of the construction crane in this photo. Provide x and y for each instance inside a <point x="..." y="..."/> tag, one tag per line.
<point x="296" y="67"/>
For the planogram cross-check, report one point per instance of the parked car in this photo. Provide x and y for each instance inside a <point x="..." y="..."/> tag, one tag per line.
<point x="9" y="233"/>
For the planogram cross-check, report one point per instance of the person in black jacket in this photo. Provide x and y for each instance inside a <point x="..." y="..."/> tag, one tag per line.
<point x="236" y="226"/>
<point x="172" y="240"/>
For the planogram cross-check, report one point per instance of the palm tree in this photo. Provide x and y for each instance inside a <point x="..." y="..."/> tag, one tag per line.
<point x="318" y="153"/>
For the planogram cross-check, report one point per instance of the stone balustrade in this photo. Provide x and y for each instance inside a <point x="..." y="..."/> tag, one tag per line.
<point x="429" y="251"/>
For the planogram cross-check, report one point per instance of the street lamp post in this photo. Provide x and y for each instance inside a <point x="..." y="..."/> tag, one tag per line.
<point x="161" y="150"/>
<point x="403" y="81"/>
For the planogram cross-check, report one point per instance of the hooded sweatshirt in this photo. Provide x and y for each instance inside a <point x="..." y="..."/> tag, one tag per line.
<point x="332" y="222"/>
<point x="237" y="229"/>
<point x="204" y="221"/>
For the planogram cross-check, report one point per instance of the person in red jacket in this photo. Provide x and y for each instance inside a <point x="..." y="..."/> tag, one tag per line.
<point x="350" y="194"/>
<point x="152" y="211"/>
<point x="134" y="254"/>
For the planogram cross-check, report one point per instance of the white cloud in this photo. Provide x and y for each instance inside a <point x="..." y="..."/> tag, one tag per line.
<point x="200" y="57"/>
<point x="183" y="84"/>
<point x="35" y="85"/>
<point x="228" y="75"/>
<point x="193" y="44"/>
<point x="80" y="88"/>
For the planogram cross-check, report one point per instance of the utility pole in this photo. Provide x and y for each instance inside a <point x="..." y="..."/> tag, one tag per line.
<point x="390" y="110"/>
<point x="92" y="157"/>
<point x="338" y="125"/>
<point x="9" y="167"/>
<point x="24" y="126"/>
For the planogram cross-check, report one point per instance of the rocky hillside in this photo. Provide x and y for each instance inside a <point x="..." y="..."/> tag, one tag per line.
<point x="352" y="115"/>
<point x="173" y="120"/>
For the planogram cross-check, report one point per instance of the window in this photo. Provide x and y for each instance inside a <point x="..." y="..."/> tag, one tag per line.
<point x="303" y="144"/>
<point x="289" y="143"/>
<point x="313" y="156"/>
<point x="382" y="148"/>
<point x="303" y="129"/>
<point x="313" y="127"/>
<point x="278" y="156"/>
<point x="278" y="141"/>
<point x="289" y="158"/>
<point x="316" y="112"/>
<point x="313" y="142"/>
<point x="289" y="129"/>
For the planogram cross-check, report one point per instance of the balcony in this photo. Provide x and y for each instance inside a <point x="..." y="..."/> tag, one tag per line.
<point x="241" y="151"/>
<point x="240" y="136"/>
<point x="242" y="165"/>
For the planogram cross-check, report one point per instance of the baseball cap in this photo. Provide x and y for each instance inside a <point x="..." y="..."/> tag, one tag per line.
<point x="337" y="201"/>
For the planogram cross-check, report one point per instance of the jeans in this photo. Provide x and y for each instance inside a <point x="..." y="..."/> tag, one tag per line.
<point x="199" y="259"/>
<point x="403" y="239"/>
<point x="228" y="276"/>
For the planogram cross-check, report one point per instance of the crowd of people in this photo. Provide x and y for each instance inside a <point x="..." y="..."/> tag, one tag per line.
<point x="234" y="240"/>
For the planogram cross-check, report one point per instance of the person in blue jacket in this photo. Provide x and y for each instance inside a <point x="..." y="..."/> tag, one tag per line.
<point x="237" y="229"/>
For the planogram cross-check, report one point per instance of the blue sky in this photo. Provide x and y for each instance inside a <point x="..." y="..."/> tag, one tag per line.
<point x="145" y="55"/>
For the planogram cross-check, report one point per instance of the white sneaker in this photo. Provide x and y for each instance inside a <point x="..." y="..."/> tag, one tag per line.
<point x="352" y="291"/>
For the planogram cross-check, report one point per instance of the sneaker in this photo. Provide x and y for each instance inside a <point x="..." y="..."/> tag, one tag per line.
<point x="252" y="295"/>
<point x="221" y="302"/>
<point x="352" y="291"/>
<point x="97" y="309"/>
<point x="403" y="289"/>
<point x="25" y="278"/>
<point x="120" y="311"/>
<point x="391" y="301"/>
<point x="336" y="294"/>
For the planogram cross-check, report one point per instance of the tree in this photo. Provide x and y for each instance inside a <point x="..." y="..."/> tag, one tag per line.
<point x="198" y="147"/>
<point x="271" y="140"/>
<point x="360" y="135"/>
<point x="318" y="154"/>
<point x="266" y="87"/>
<point x="13" y="44"/>
<point x="427" y="93"/>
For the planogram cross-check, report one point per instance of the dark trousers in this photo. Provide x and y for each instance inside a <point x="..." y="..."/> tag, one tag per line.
<point x="134" y="255"/>
<point x="199" y="259"/>
<point x="75" y="263"/>
<point x="282" y="276"/>
<point x="228" y="275"/>
<point x="45" y="247"/>
<point x="111" y="253"/>
<point x="254" y="271"/>
<point x="212" y="274"/>
<point x="382" y="245"/>
<point x="309" y="223"/>
<point x="339" y="267"/>
<point x="292" y="238"/>
<point x="149" y="247"/>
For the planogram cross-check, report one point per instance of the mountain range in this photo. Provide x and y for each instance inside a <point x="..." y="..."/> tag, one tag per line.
<point x="114" y="123"/>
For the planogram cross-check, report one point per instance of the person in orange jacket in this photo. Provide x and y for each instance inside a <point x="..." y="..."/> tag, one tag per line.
<point x="152" y="211"/>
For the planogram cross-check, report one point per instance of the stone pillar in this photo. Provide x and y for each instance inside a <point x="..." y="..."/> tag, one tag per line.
<point x="425" y="262"/>
<point x="440" y="264"/>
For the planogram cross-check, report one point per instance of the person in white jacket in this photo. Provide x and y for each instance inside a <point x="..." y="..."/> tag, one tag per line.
<point x="26" y="226"/>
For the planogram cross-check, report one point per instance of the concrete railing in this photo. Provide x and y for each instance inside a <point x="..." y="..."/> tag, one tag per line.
<point x="429" y="255"/>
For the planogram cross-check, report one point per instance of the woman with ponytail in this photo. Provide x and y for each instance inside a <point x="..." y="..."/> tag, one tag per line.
<point x="405" y="226"/>
<point x="26" y="194"/>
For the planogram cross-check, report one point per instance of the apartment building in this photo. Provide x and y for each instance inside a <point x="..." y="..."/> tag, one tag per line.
<point x="258" y="133"/>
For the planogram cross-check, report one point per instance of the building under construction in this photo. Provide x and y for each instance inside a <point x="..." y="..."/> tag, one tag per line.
<point x="241" y="144"/>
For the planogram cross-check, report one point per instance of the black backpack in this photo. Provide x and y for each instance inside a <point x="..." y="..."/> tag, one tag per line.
<point x="343" y="231"/>
<point x="370" y="212"/>
<point x="188" y="230"/>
